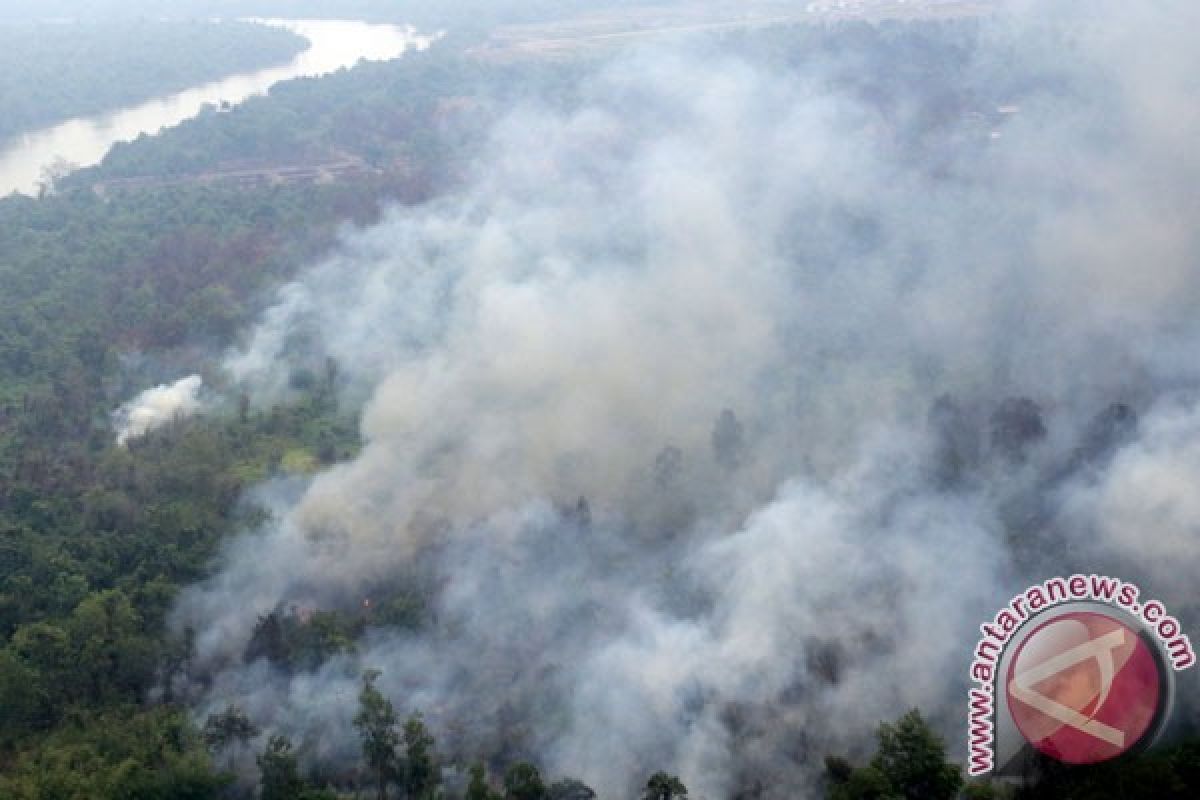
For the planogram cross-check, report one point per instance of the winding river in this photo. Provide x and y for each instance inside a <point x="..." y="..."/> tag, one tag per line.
<point x="84" y="141"/>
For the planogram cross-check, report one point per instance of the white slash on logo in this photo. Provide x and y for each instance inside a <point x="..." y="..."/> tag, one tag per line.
<point x="1101" y="649"/>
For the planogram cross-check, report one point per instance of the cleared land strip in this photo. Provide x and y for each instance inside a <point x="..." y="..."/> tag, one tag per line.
<point x="588" y="33"/>
<point x="321" y="172"/>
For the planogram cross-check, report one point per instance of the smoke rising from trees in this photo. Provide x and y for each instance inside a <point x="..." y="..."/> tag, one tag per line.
<point x="157" y="406"/>
<point x="830" y="382"/>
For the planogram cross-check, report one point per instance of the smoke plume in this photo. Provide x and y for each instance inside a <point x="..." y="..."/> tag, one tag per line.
<point x="157" y="406"/>
<point x="717" y="412"/>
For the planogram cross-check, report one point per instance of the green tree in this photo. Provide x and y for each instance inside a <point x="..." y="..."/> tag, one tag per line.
<point x="376" y="724"/>
<point x="124" y="755"/>
<point x="522" y="781"/>
<point x="570" y="789"/>
<point x="909" y="764"/>
<point x="982" y="790"/>
<point x="662" y="786"/>
<point x="279" y="776"/>
<point x="478" y="788"/>
<point x="420" y="771"/>
<point x="22" y="699"/>
<point x="1171" y="773"/>
<point x="849" y="783"/>
<point x="913" y="759"/>
<point x="318" y="794"/>
<point x="228" y="727"/>
<point x="112" y="655"/>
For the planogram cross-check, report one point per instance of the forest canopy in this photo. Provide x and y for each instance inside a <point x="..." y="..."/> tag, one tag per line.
<point x="176" y="623"/>
<point x="51" y="72"/>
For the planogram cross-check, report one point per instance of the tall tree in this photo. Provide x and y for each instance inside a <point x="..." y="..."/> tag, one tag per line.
<point x="913" y="758"/>
<point x="478" y="788"/>
<point x="910" y="764"/>
<point x="524" y="782"/>
<point x="376" y="723"/>
<point x="228" y="727"/>
<point x="279" y="776"/>
<point x="421" y="775"/>
<point x="662" y="786"/>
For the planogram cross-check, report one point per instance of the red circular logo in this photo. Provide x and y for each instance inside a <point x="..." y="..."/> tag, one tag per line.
<point x="1084" y="687"/>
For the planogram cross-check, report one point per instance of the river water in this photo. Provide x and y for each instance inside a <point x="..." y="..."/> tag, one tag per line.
<point x="84" y="141"/>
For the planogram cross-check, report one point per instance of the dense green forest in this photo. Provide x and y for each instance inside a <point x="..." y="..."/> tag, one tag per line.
<point x="417" y="115"/>
<point x="420" y="114"/>
<point x="51" y="72"/>
<point x="95" y="540"/>
<point x="101" y="296"/>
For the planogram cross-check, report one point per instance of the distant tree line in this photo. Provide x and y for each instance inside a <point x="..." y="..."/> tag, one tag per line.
<point x="51" y="72"/>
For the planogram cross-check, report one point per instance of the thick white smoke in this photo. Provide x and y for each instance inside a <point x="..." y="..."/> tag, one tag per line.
<point x="157" y="406"/>
<point x="720" y="305"/>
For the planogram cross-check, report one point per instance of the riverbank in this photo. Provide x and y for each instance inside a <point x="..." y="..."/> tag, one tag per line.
<point x="39" y="158"/>
<point x="53" y="72"/>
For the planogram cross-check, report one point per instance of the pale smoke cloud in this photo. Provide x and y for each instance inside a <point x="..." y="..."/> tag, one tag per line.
<point x="156" y="407"/>
<point x="1144" y="509"/>
<point x="719" y="306"/>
